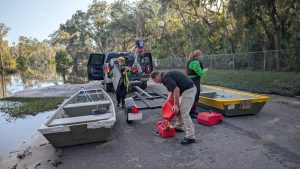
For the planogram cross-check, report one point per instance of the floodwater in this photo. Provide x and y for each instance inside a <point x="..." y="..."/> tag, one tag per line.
<point x="14" y="131"/>
<point x="41" y="77"/>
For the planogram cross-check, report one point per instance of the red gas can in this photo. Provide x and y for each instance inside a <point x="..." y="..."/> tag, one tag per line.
<point x="209" y="118"/>
<point x="164" y="129"/>
<point x="167" y="110"/>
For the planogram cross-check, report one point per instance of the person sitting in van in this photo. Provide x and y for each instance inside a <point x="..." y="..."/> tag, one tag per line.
<point x="139" y="46"/>
<point x="123" y="84"/>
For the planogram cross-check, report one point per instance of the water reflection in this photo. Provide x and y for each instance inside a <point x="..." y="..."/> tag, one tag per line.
<point x="3" y="86"/>
<point x="13" y="133"/>
<point x="76" y="74"/>
<point x="41" y="76"/>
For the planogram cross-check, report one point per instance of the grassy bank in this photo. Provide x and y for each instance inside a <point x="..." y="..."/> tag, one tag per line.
<point x="19" y="107"/>
<point x="281" y="83"/>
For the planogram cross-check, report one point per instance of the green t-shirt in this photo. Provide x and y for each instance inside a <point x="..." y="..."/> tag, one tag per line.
<point x="195" y="66"/>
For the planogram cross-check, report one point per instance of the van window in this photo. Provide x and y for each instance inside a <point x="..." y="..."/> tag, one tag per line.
<point x="111" y="56"/>
<point x="144" y="59"/>
<point x="128" y="56"/>
<point x="97" y="59"/>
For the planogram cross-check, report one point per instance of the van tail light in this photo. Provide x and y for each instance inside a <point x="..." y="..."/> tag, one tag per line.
<point x="134" y="69"/>
<point x="135" y="109"/>
<point x="148" y="69"/>
<point x="107" y="70"/>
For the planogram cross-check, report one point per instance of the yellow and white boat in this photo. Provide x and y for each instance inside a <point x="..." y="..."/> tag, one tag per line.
<point x="231" y="102"/>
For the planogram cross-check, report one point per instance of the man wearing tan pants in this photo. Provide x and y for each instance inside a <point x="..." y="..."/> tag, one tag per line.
<point x="182" y="90"/>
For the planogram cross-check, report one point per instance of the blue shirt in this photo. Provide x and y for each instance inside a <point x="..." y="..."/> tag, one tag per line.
<point x="139" y="44"/>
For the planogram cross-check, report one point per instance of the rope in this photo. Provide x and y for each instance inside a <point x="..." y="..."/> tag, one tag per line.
<point x="126" y="81"/>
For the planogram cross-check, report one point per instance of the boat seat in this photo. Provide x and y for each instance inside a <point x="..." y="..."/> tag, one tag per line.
<point x="74" y="105"/>
<point x="84" y="109"/>
<point x="210" y="94"/>
<point x="79" y="119"/>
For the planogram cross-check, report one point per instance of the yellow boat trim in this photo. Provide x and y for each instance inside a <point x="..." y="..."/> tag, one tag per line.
<point x="221" y="103"/>
<point x="211" y="102"/>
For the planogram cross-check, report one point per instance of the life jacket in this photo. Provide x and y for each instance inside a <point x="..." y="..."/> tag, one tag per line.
<point x="189" y="71"/>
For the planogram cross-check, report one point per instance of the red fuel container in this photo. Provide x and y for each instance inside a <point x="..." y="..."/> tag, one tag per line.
<point x="167" y="110"/>
<point x="164" y="129"/>
<point x="209" y="118"/>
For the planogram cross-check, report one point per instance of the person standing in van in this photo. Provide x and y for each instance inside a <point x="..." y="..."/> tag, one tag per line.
<point x="139" y="50"/>
<point x="195" y="71"/>
<point x="139" y="46"/>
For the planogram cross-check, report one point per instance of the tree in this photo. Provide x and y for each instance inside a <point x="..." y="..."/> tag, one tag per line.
<point x="62" y="59"/>
<point x="4" y="50"/>
<point x="173" y="28"/>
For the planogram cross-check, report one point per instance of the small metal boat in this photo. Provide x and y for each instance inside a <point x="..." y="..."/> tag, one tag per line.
<point x="87" y="116"/>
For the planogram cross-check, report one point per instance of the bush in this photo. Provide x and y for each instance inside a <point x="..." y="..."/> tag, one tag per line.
<point x="62" y="58"/>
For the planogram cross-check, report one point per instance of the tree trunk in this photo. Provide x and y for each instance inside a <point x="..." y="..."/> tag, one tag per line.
<point x="3" y="85"/>
<point x="1" y="59"/>
<point x="276" y="29"/>
<point x="168" y="38"/>
<point x="276" y="39"/>
<point x="265" y="57"/>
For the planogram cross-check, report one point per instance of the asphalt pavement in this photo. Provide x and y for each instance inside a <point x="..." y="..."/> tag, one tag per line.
<point x="269" y="140"/>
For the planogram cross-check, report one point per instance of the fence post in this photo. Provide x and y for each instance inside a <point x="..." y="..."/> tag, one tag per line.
<point x="264" y="52"/>
<point x="211" y="56"/>
<point x="233" y="56"/>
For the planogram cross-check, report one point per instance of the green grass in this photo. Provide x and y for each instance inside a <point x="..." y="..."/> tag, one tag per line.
<point x="280" y="83"/>
<point x="18" y="107"/>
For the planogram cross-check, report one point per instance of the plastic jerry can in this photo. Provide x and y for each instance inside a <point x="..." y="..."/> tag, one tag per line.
<point x="164" y="129"/>
<point x="209" y="118"/>
<point x="167" y="110"/>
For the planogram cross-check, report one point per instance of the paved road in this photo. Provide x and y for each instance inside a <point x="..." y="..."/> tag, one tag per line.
<point x="269" y="140"/>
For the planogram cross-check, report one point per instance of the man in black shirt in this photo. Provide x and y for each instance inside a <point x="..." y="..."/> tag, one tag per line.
<point x="182" y="90"/>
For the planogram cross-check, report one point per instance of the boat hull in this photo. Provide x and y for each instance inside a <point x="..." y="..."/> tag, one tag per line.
<point x="79" y="134"/>
<point x="231" y="102"/>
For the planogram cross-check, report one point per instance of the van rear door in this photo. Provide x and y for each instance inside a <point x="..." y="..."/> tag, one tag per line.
<point x="95" y="67"/>
<point x="146" y="63"/>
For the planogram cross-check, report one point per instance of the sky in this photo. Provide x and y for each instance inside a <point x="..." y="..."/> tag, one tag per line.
<point x="37" y="18"/>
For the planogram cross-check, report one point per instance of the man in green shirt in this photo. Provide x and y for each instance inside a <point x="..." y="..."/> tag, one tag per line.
<point x="195" y="71"/>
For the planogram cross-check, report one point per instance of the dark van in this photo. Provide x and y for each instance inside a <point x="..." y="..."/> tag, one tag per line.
<point x="99" y="67"/>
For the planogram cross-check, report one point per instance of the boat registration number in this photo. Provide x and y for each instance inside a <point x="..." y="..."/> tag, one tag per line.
<point x="135" y="116"/>
<point x="245" y="104"/>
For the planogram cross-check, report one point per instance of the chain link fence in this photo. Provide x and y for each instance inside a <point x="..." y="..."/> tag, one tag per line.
<point x="287" y="60"/>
